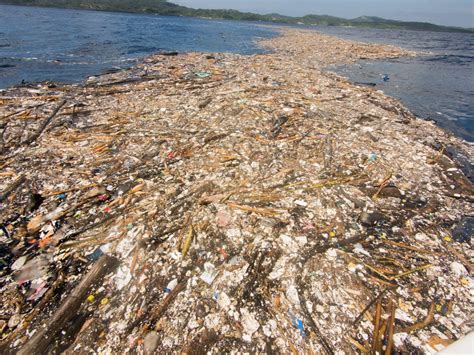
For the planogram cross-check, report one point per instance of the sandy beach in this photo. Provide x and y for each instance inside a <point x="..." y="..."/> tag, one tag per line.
<point x="230" y="203"/>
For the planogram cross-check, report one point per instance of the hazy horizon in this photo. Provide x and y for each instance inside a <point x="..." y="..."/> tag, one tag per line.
<point x="440" y="12"/>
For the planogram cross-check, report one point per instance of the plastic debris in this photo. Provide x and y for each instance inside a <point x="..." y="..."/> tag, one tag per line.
<point x="458" y="269"/>
<point x="249" y="323"/>
<point x="203" y="74"/>
<point x="151" y="342"/>
<point x="252" y="201"/>
<point x="18" y="264"/>
<point x="223" y="300"/>
<point x="171" y="285"/>
<point x="91" y="298"/>
<point x="209" y="274"/>
<point x="298" y="323"/>
<point x="96" y="254"/>
<point x="292" y="295"/>
<point x="372" y="157"/>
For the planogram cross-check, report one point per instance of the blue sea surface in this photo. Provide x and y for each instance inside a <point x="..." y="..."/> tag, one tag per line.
<point x="38" y="44"/>
<point x="438" y="85"/>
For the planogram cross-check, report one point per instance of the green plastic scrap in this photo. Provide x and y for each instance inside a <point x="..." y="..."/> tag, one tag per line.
<point x="203" y="74"/>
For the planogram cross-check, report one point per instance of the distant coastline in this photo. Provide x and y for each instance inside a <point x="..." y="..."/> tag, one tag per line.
<point x="165" y="8"/>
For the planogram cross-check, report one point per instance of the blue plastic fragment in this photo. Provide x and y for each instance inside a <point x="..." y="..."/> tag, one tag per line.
<point x="62" y="197"/>
<point x="298" y="323"/>
<point x="386" y="77"/>
<point x="372" y="157"/>
<point x="95" y="255"/>
<point x="300" y="326"/>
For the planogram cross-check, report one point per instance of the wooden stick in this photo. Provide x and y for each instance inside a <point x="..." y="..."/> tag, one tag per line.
<point x="421" y="268"/>
<point x="58" y="192"/>
<point x="382" y="330"/>
<point x="382" y="186"/>
<point x="462" y="258"/>
<point x="371" y="303"/>
<point x="391" y="328"/>
<point x="258" y="210"/>
<point x="402" y="245"/>
<point x="45" y="123"/>
<point x="15" y="184"/>
<point x="21" y="111"/>
<point x="67" y="311"/>
<point x="358" y="345"/>
<point x="376" y="336"/>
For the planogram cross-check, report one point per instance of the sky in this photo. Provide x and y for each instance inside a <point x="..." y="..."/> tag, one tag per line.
<point x="441" y="12"/>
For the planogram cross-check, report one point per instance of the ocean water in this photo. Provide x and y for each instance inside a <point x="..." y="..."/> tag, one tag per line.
<point x="438" y="85"/>
<point x="38" y="44"/>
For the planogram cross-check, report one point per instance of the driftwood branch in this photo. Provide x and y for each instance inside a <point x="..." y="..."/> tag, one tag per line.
<point x="14" y="185"/>
<point x="326" y="347"/>
<point x="424" y="323"/>
<point x="371" y="303"/>
<point x="67" y="311"/>
<point x="45" y="123"/>
<point x="161" y="308"/>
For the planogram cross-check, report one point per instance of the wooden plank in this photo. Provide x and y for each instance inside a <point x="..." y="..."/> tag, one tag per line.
<point x="68" y="310"/>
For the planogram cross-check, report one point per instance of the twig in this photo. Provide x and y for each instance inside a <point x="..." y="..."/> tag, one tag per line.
<point x="21" y="111"/>
<point x="45" y="123"/>
<point x="382" y="186"/>
<point x="257" y="210"/>
<point x="371" y="303"/>
<point x="402" y="245"/>
<point x="14" y="185"/>
<point x="424" y="323"/>
<point x="421" y="268"/>
<point x="358" y="345"/>
<point x="391" y="328"/>
<point x="58" y="192"/>
<point x="88" y="227"/>
<point x="326" y="347"/>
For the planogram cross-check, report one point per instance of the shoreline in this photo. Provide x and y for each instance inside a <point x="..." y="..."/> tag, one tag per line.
<point x="255" y="203"/>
